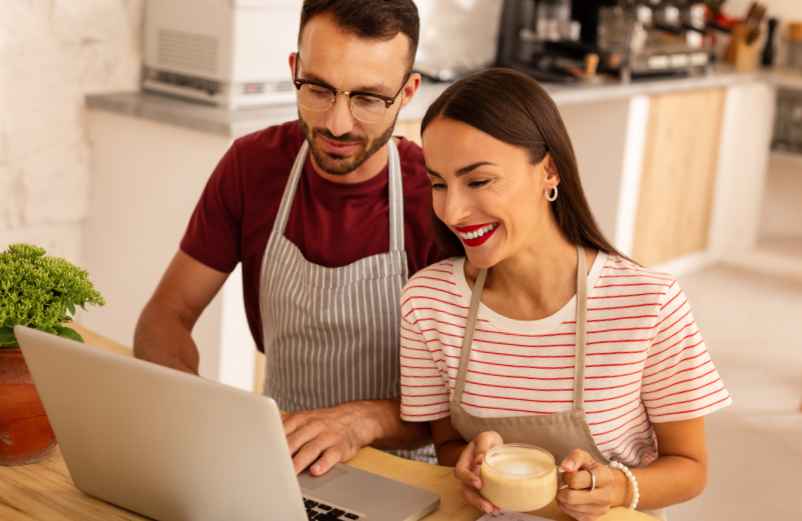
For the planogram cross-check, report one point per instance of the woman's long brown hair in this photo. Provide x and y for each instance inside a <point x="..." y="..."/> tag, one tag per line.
<point x="514" y="108"/>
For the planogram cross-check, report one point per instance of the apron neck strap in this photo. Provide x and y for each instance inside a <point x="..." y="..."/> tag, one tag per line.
<point x="470" y="326"/>
<point x="396" y="195"/>
<point x="581" y="323"/>
<point x="395" y="187"/>
<point x="581" y="327"/>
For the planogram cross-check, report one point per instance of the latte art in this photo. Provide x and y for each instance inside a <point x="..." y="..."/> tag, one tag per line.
<point x="520" y="478"/>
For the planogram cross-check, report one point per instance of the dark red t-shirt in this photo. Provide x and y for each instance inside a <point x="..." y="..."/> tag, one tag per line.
<point x="333" y="224"/>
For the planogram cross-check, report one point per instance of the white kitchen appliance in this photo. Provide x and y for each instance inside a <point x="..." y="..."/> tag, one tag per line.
<point x="231" y="53"/>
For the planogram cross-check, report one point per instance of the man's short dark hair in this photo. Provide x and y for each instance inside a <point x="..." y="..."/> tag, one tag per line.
<point x="379" y="19"/>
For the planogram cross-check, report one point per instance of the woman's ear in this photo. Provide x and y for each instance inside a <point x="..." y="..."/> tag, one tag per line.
<point x="552" y="176"/>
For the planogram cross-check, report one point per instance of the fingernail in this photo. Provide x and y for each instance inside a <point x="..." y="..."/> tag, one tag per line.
<point x="315" y="469"/>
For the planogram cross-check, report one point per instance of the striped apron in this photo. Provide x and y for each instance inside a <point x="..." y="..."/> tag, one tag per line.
<point x="331" y="335"/>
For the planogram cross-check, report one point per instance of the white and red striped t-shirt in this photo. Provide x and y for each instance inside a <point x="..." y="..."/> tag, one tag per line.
<point x="646" y="361"/>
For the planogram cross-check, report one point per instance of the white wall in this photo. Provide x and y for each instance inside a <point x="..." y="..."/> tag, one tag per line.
<point x="52" y="53"/>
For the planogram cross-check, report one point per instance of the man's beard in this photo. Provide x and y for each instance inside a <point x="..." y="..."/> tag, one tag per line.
<point x="333" y="165"/>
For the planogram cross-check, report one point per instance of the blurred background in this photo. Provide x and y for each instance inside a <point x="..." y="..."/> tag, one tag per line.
<point x="686" y="118"/>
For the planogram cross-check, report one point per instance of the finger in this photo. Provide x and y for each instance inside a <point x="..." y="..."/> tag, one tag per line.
<point x="574" y="514"/>
<point x="472" y="497"/>
<point x="303" y="435"/>
<point x="311" y="451"/>
<point x="487" y="440"/>
<point x="579" y="480"/>
<point x="464" y="470"/>
<point x="584" y="479"/>
<point x="576" y="498"/>
<point x="577" y="459"/>
<point x="583" y="511"/>
<point x="293" y="421"/>
<point x="330" y="457"/>
<point x="484" y="442"/>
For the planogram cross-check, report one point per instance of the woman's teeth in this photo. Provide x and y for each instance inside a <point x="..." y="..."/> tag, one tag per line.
<point x="478" y="233"/>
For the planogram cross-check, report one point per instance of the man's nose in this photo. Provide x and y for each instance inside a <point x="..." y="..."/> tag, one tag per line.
<point x="339" y="119"/>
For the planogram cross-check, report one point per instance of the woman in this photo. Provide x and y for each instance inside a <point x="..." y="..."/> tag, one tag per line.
<point x="543" y="333"/>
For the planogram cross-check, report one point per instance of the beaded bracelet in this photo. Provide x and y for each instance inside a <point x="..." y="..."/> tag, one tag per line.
<point x="633" y="482"/>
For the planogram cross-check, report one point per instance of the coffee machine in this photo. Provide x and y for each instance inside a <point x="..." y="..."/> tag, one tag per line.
<point x="541" y="38"/>
<point x="560" y="40"/>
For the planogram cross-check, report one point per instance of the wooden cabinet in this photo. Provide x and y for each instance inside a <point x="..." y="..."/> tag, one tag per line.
<point x="678" y="177"/>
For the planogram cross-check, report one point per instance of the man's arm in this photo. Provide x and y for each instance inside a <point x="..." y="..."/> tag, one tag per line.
<point x="324" y="437"/>
<point x="164" y="331"/>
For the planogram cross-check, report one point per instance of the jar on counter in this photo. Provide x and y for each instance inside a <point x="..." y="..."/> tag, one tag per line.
<point x="794" y="57"/>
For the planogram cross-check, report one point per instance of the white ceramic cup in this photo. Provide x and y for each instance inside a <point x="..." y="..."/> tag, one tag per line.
<point x="519" y="477"/>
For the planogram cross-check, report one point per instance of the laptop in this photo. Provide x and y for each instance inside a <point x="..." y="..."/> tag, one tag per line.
<point x="176" y="447"/>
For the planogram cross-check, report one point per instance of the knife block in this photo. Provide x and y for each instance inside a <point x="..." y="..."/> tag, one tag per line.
<point x="743" y="55"/>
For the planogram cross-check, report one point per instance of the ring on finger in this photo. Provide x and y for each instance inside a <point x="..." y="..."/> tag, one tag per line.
<point x="592" y="481"/>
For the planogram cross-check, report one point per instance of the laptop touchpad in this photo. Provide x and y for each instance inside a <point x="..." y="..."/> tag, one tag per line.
<point x="310" y="482"/>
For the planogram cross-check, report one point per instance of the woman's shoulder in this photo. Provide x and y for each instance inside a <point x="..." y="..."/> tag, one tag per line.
<point x="440" y="281"/>
<point x="620" y="273"/>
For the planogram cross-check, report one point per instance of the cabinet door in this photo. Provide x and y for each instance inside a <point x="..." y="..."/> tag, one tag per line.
<point x="678" y="179"/>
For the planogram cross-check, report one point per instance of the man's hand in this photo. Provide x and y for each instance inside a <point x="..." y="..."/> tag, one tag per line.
<point x="325" y="437"/>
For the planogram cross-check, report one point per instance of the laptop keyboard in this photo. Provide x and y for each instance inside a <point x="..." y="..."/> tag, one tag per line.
<point x="317" y="511"/>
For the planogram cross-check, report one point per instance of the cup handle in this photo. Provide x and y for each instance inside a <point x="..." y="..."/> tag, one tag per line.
<point x="560" y="483"/>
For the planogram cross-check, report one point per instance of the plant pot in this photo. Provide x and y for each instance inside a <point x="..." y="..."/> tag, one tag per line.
<point x="25" y="433"/>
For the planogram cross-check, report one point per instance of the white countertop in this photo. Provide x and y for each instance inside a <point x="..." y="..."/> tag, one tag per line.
<point x="235" y="123"/>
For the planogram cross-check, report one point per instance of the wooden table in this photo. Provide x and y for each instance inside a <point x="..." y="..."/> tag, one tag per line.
<point x="45" y="491"/>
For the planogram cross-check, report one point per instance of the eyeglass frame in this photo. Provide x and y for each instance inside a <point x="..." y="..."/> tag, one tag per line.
<point x="388" y="101"/>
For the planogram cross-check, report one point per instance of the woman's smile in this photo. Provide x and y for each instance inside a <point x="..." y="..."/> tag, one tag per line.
<point x="476" y="235"/>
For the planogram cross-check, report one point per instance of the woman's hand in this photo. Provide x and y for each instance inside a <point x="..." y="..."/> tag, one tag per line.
<point x="467" y="469"/>
<point x="576" y="498"/>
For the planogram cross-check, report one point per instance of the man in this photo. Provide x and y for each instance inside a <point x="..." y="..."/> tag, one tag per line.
<point x="326" y="239"/>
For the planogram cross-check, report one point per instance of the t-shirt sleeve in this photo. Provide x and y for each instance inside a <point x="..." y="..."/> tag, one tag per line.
<point x="680" y="381"/>
<point x="424" y="388"/>
<point x="212" y="236"/>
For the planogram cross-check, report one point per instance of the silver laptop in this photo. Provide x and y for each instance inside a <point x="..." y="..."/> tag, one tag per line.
<point x="175" y="447"/>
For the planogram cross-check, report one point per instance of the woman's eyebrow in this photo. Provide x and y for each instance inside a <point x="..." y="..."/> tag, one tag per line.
<point x="464" y="170"/>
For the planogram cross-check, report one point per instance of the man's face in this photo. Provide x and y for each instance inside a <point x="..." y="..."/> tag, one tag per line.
<point x="339" y="142"/>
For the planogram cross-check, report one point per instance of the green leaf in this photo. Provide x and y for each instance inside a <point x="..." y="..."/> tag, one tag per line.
<point x="68" y="333"/>
<point x="41" y="291"/>
<point x="7" y="338"/>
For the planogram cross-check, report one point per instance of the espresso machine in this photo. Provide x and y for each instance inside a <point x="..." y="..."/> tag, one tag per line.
<point x="540" y="38"/>
<point x="569" y="40"/>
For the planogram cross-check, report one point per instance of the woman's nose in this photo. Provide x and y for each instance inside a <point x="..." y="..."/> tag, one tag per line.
<point x="456" y="207"/>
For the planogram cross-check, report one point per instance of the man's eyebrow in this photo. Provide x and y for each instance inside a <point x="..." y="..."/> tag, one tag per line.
<point x="464" y="170"/>
<point x="368" y="89"/>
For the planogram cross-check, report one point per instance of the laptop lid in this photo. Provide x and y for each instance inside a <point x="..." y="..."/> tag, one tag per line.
<point x="160" y="442"/>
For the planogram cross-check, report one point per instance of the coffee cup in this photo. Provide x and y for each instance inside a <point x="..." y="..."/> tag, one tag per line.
<point x="519" y="477"/>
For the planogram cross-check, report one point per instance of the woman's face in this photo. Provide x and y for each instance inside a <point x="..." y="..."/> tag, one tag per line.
<point x="485" y="190"/>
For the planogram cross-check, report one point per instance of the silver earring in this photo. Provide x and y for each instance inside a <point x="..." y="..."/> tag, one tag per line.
<point x="551" y="195"/>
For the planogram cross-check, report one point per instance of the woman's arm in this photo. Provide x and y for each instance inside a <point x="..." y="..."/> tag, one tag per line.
<point x="679" y="473"/>
<point x="447" y="441"/>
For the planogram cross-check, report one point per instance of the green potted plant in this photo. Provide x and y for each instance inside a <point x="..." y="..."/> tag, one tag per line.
<point x="41" y="292"/>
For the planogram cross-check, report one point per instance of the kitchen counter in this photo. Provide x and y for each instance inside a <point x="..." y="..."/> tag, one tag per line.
<point x="44" y="490"/>
<point x="220" y="121"/>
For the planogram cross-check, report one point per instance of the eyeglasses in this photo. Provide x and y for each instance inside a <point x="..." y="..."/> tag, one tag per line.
<point x="367" y="107"/>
